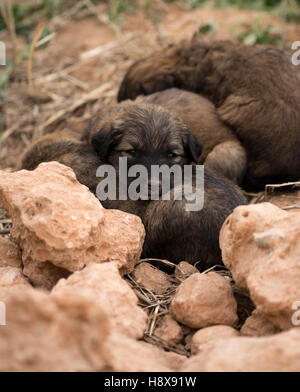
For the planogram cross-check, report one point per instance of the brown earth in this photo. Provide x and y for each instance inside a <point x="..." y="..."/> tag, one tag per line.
<point x="71" y="81"/>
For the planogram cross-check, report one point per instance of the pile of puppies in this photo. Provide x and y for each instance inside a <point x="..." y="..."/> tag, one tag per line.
<point x="233" y="108"/>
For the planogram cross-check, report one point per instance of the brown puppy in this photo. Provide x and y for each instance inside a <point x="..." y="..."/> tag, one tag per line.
<point x="64" y="147"/>
<point x="222" y="152"/>
<point x="148" y="135"/>
<point x="255" y="90"/>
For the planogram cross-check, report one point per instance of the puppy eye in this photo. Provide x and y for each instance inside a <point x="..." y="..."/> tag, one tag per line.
<point x="172" y="155"/>
<point x="129" y="152"/>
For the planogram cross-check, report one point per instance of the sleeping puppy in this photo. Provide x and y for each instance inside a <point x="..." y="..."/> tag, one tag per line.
<point x="222" y="152"/>
<point x="148" y="135"/>
<point x="256" y="91"/>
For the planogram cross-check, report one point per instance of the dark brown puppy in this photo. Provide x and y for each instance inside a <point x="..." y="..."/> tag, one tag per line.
<point x="139" y="131"/>
<point x="148" y="135"/>
<point x="222" y="152"/>
<point x="256" y="92"/>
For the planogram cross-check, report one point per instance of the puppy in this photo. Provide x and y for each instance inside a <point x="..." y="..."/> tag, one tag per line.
<point x="66" y="148"/>
<point x="148" y="135"/>
<point x="222" y="152"/>
<point x="256" y="91"/>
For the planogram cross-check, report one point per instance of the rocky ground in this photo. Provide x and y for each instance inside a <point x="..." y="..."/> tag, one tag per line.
<point x="78" y="297"/>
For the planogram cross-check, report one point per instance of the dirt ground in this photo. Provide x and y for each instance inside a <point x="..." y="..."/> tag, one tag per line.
<point x="84" y="61"/>
<point x="80" y="70"/>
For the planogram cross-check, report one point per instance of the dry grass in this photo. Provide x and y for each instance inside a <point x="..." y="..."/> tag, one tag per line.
<point x="157" y="306"/>
<point x="46" y="92"/>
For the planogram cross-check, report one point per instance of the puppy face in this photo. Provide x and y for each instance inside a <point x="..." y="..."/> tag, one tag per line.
<point x="146" y="135"/>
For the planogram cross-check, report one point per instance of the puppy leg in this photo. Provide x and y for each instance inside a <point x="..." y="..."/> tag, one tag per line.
<point x="228" y="159"/>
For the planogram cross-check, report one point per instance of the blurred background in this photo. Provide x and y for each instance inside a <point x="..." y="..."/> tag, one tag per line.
<point x="65" y="58"/>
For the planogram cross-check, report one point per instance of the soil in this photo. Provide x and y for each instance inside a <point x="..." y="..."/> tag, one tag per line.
<point x="67" y="73"/>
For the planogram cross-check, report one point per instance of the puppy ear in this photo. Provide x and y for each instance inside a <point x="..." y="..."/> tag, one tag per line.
<point x="104" y="139"/>
<point x="193" y="148"/>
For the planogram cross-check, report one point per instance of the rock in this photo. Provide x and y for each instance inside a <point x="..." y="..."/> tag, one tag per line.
<point x="9" y="254"/>
<point x="68" y="333"/>
<point x="44" y="275"/>
<point x="258" y="325"/>
<point x="184" y="270"/>
<point x="127" y="355"/>
<point x="203" y="300"/>
<point x="206" y="338"/>
<point x="11" y="280"/>
<point x="10" y="277"/>
<point x="188" y="341"/>
<point x="111" y="293"/>
<point x="45" y="223"/>
<point x="152" y="278"/>
<point x="122" y="239"/>
<point x="277" y="353"/>
<point x="48" y="334"/>
<point x="260" y="245"/>
<point x="58" y="220"/>
<point x="169" y="331"/>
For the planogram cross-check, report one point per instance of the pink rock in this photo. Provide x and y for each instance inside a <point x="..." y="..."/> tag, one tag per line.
<point x="47" y="334"/>
<point x="260" y="245"/>
<point x="9" y="254"/>
<point x="169" y="331"/>
<point x="127" y="355"/>
<point x="258" y="325"/>
<point x="67" y="331"/>
<point x="206" y="338"/>
<point x="203" y="300"/>
<point x="58" y="220"/>
<point x="184" y="270"/>
<point x="11" y="280"/>
<point x="121" y="239"/>
<point x="277" y="353"/>
<point x="152" y="278"/>
<point x="111" y="293"/>
<point x="44" y="275"/>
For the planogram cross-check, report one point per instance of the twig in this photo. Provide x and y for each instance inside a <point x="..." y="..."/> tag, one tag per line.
<point x="297" y="205"/>
<point x="103" y="48"/>
<point x="38" y="32"/>
<point x="160" y="260"/>
<point x="272" y="187"/>
<point x="152" y="325"/>
<point x="44" y="40"/>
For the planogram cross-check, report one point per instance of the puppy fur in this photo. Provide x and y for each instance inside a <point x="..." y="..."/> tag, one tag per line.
<point x="256" y="91"/>
<point x="149" y="135"/>
<point x="222" y="152"/>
